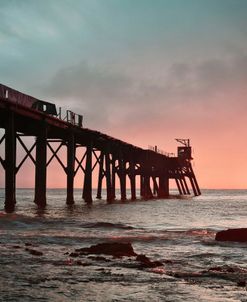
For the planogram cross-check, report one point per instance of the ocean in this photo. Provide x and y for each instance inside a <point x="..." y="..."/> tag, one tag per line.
<point x="179" y="232"/>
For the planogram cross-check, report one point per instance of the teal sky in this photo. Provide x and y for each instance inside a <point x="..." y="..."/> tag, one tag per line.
<point x="146" y="71"/>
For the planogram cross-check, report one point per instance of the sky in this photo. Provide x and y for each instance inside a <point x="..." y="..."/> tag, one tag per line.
<point x="144" y="71"/>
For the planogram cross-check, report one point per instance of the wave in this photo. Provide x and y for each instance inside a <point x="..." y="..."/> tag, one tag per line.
<point x="108" y="225"/>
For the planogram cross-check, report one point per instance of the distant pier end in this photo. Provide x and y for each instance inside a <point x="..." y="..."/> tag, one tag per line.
<point x="22" y="115"/>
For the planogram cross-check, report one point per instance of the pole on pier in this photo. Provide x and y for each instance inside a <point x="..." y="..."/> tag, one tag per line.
<point x="193" y="181"/>
<point x="142" y="185"/>
<point x="101" y="175"/>
<point x="113" y="177"/>
<point x="180" y="180"/>
<point x="87" y="188"/>
<point x="70" y="168"/>
<point x="132" y="177"/>
<point x="147" y="189"/>
<point x="178" y="185"/>
<point x="163" y="186"/>
<point x="40" y="168"/>
<point x="122" y="178"/>
<point x="155" y="186"/>
<point x="109" y="196"/>
<point x="10" y="164"/>
<point x="186" y="186"/>
<point x="197" y="186"/>
<point x="194" y="185"/>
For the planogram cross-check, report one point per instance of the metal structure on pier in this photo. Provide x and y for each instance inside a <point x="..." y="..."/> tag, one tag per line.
<point x="22" y="115"/>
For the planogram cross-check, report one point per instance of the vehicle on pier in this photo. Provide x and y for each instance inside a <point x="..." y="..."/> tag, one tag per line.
<point x="33" y="103"/>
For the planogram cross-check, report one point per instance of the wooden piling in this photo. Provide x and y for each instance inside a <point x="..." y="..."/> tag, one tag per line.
<point x="113" y="177"/>
<point x="163" y="190"/>
<point x="180" y="180"/>
<point x="132" y="177"/>
<point x="178" y="186"/>
<point x="155" y="186"/>
<point x="40" y="167"/>
<point x="142" y="185"/>
<point x="10" y="164"/>
<point x="122" y="178"/>
<point x="186" y="186"/>
<point x="100" y="175"/>
<point x="87" y="188"/>
<point x="109" y="196"/>
<point x="70" y="168"/>
<point x="147" y="188"/>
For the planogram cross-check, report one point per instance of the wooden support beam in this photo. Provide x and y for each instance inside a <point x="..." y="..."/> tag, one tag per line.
<point x="79" y="162"/>
<point x="178" y="186"/>
<point x="10" y="164"/>
<point x="193" y="185"/>
<point x="87" y="188"/>
<point x="109" y="196"/>
<point x="147" y="189"/>
<point x="163" y="186"/>
<point x="197" y="189"/>
<point x="122" y="177"/>
<point x="70" y="168"/>
<point x="54" y="154"/>
<point x="183" y="182"/>
<point x="155" y="186"/>
<point x="193" y="181"/>
<point x="186" y="187"/>
<point x="113" y="176"/>
<point x="100" y="175"/>
<point x="2" y="160"/>
<point x="197" y="186"/>
<point x="2" y="139"/>
<point x="40" y="168"/>
<point x="142" y="190"/>
<point x="180" y="180"/>
<point x="28" y="153"/>
<point x="132" y="177"/>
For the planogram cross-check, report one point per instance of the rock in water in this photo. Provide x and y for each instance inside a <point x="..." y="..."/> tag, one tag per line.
<point x="146" y="262"/>
<point x="115" y="249"/>
<point x="237" y="235"/>
<point x="34" y="252"/>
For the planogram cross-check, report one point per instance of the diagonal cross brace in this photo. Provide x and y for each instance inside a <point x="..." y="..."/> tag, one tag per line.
<point x="2" y="162"/>
<point x="97" y="160"/>
<point x="54" y="154"/>
<point x="80" y="163"/>
<point x="2" y="139"/>
<point x="28" y="153"/>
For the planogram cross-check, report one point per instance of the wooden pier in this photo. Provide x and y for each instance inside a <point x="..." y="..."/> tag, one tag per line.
<point x="114" y="158"/>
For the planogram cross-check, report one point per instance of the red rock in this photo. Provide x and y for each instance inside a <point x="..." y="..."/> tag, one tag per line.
<point x="115" y="249"/>
<point x="236" y="235"/>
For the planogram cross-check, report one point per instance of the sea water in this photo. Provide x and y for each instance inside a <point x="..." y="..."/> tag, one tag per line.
<point x="179" y="232"/>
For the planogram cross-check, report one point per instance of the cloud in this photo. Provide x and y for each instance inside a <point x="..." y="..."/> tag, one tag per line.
<point x="109" y="96"/>
<point x="87" y="81"/>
